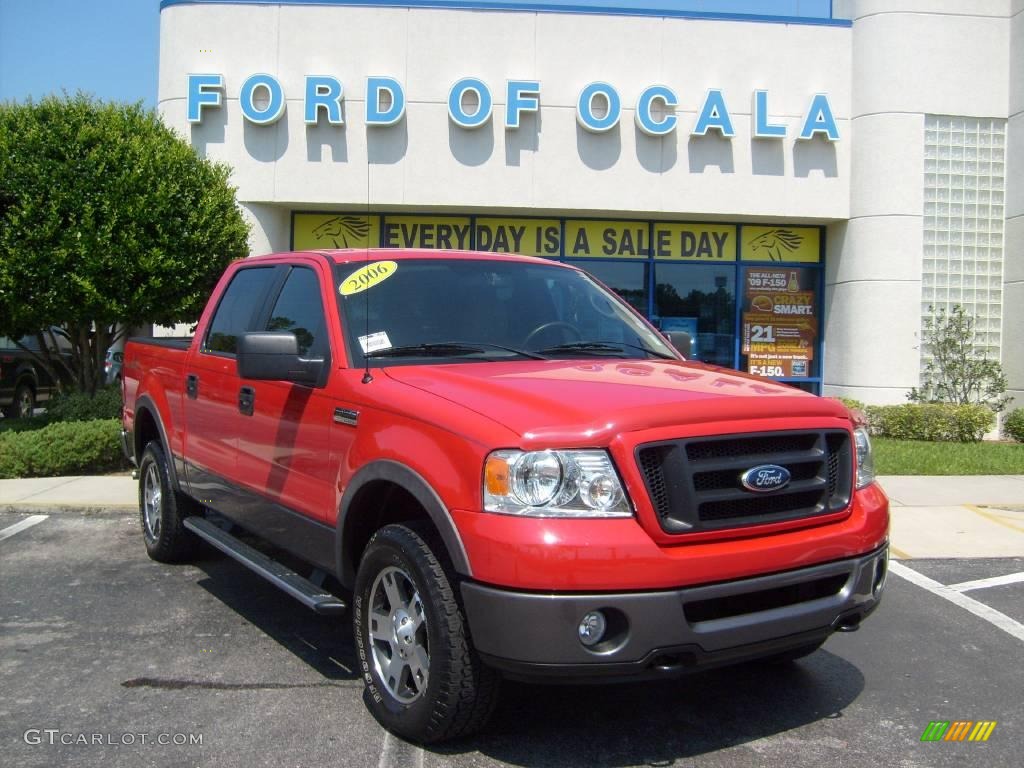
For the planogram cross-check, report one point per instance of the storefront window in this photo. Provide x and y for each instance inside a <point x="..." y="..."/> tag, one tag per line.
<point x="628" y="279"/>
<point x="700" y="300"/>
<point x="748" y="295"/>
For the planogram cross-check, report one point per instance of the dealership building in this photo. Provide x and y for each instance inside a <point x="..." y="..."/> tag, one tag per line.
<point x="798" y="185"/>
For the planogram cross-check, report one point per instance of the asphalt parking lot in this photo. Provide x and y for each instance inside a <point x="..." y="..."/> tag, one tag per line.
<point x="103" y="648"/>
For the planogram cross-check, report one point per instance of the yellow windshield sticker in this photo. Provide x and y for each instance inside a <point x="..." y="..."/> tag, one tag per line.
<point x="367" y="277"/>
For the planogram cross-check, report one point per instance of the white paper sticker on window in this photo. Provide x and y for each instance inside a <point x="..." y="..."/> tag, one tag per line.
<point x="374" y="341"/>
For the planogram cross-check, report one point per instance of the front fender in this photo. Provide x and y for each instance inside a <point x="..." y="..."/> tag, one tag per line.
<point x="414" y="483"/>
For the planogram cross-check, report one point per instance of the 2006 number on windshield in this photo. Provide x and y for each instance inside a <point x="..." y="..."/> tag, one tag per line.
<point x="367" y="277"/>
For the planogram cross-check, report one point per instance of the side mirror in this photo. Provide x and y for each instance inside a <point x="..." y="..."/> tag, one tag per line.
<point x="274" y="356"/>
<point x="682" y="341"/>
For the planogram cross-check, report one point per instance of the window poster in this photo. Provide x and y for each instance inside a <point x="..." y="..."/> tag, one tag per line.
<point x="779" y="323"/>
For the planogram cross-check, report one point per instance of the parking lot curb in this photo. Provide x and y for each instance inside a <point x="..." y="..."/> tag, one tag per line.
<point x="24" y="508"/>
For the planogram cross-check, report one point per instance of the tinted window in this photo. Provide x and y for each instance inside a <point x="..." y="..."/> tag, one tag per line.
<point x="28" y="342"/>
<point x="236" y="309"/>
<point x="300" y="309"/>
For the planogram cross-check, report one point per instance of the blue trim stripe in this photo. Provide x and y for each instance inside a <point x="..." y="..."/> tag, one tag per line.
<point x="541" y="7"/>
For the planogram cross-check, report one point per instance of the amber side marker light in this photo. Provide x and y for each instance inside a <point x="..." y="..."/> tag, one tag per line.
<point x="496" y="476"/>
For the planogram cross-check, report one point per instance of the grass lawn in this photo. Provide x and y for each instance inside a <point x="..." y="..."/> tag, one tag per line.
<point x="918" y="457"/>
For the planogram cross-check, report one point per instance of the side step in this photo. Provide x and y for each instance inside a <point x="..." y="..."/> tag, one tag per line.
<point x="303" y="590"/>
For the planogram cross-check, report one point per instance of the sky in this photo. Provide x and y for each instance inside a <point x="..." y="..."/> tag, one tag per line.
<point x="105" y="47"/>
<point x="109" y="48"/>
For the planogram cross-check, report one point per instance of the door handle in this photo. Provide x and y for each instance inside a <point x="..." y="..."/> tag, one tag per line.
<point x="192" y="386"/>
<point x="246" y="401"/>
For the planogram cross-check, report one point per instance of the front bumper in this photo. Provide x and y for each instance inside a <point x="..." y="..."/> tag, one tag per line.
<point x="534" y="636"/>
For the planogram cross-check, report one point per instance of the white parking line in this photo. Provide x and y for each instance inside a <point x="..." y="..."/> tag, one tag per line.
<point x="28" y="522"/>
<point x="396" y="753"/>
<point x="991" y="615"/>
<point x="995" y="581"/>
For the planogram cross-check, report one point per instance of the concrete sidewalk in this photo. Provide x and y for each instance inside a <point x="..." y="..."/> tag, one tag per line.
<point x="104" y="492"/>
<point x="972" y="516"/>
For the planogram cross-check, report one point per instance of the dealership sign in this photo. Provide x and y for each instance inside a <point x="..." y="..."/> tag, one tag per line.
<point x="471" y="106"/>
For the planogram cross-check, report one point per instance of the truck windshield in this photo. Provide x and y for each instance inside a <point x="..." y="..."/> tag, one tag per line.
<point x="461" y="310"/>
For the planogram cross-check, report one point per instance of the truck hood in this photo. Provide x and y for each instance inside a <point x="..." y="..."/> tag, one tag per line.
<point x="580" y="402"/>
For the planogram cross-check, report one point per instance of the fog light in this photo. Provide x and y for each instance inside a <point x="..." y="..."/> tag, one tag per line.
<point x="881" y="571"/>
<point x="592" y="628"/>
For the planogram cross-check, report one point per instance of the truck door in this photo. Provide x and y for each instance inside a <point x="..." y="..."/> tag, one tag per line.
<point x="284" y="451"/>
<point x="211" y="390"/>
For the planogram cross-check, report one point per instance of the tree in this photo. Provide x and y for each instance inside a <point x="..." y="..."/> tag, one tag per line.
<point x="108" y="219"/>
<point x="957" y="370"/>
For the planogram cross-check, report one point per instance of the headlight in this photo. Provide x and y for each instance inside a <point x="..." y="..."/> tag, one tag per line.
<point x="553" y="484"/>
<point x="865" y="458"/>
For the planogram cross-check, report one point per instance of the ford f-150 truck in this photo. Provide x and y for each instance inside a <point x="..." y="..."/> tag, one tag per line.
<point x="499" y="469"/>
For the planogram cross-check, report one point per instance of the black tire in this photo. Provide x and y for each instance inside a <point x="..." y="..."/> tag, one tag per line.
<point x="24" y="403"/>
<point x="787" y="657"/>
<point x="167" y="539"/>
<point x="460" y="692"/>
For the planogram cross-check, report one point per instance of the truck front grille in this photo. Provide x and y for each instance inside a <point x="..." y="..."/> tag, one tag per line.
<point x="694" y="484"/>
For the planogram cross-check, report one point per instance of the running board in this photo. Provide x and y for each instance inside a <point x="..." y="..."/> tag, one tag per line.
<point x="303" y="590"/>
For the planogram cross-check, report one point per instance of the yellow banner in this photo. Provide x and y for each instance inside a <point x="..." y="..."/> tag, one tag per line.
<point x="607" y="239"/>
<point x="448" y="232"/>
<point x="695" y="242"/>
<point x="586" y="238"/>
<point x="802" y="244"/>
<point x="315" y="231"/>
<point x="530" y="237"/>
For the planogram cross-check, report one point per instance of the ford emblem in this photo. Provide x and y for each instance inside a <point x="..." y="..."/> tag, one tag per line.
<point x="765" y="478"/>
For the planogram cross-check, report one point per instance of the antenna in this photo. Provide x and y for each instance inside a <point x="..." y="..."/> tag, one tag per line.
<point x="367" y="376"/>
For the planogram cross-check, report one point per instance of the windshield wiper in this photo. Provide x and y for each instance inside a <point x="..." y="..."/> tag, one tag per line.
<point x="602" y="346"/>
<point x="448" y="349"/>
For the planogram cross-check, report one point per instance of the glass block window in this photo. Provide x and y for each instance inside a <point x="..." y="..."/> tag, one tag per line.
<point x="964" y="188"/>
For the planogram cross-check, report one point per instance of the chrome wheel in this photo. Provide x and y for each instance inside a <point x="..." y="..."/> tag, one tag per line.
<point x="151" y="496"/>
<point x="162" y="511"/>
<point x="398" y="635"/>
<point x="25" y="404"/>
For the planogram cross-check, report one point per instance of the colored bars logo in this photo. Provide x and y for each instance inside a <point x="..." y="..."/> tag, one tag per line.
<point x="958" y="730"/>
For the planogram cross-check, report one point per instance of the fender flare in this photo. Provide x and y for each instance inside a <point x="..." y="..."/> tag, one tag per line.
<point x="411" y="481"/>
<point x="26" y="372"/>
<point x="145" y="403"/>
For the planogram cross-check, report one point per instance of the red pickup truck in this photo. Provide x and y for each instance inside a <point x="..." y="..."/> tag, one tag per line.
<point x="501" y="470"/>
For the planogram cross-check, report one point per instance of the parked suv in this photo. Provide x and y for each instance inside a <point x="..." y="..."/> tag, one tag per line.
<point x="24" y="383"/>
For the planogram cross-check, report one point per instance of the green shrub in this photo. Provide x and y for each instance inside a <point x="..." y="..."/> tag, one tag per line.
<point x="78" y="406"/>
<point x="956" y="365"/>
<point x="931" y="421"/>
<point x="63" y="448"/>
<point x="1013" y="425"/>
<point x="853" y="405"/>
